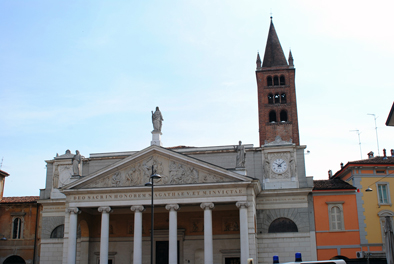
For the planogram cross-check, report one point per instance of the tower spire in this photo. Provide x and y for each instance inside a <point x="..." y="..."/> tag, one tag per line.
<point x="258" y="61"/>
<point x="291" y="60"/>
<point x="273" y="55"/>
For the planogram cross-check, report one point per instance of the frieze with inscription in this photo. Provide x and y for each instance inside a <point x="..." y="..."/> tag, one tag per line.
<point x="158" y="195"/>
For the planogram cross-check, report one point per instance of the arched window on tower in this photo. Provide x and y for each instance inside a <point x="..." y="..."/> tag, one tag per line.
<point x="283" y="116"/>
<point x="277" y="98"/>
<point x="270" y="98"/>
<point x="282" y="80"/>
<point x="283" y="98"/>
<point x="276" y="80"/>
<point x="272" y="116"/>
<point x="269" y="81"/>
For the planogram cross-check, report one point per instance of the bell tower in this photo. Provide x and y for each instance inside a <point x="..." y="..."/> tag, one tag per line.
<point x="276" y="93"/>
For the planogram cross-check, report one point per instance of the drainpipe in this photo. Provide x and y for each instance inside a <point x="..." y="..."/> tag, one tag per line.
<point x="35" y="236"/>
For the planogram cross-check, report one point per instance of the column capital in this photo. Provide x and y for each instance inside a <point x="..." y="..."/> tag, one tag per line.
<point x="74" y="210"/>
<point x="242" y="205"/>
<point x="207" y="206"/>
<point x="105" y="209"/>
<point x="172" y="207"/>
<point x="137" y="208"/>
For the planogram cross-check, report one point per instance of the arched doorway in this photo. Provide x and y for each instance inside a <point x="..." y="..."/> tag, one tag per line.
<point x="14" y="260"/>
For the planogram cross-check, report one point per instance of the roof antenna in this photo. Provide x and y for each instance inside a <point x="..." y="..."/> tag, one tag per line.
<point x="359" y="141"/>
<point x="376" y="129"/>
<point x="1" y="164"/>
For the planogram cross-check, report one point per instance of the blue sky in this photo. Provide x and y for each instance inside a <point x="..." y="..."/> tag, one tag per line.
<point x="86" y="75"/>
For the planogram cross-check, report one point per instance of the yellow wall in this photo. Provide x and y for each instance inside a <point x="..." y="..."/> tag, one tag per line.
<point x="372" y="208"/>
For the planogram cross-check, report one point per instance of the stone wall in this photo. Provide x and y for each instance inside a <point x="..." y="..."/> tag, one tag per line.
<point x="51" y="251"/>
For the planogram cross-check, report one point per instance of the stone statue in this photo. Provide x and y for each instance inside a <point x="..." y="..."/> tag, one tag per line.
<point x="240" y="161"/>
<point x="77" y="164"/>
<point x="157" y="119"/>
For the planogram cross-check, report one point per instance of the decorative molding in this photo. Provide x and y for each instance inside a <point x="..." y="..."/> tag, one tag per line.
<point x="207" y="206"/>
<point x="137" y="208"/>
<point x="74" y="210"/>
<point x="197" y="225"/>
<point x="230" y="224"/>
<point x="242" y="205"/>
<point x="18" y="214"/>
<point x="105" y="209"/>
<point x="172" y="207"/>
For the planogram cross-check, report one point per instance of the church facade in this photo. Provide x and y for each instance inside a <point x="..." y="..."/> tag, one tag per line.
<point x="217" y="204"/>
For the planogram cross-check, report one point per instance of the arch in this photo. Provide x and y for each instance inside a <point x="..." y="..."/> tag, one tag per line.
<point x="270" y="98"/>
<point x="269" y="81"/>
<point x="283" y="116"/>
<point x="276" y="80"/>
<point x="58" y="232"/>
<point x="282" y="225"/>
<point x="277" y="98"/>
<point x="84" y="228"/>
<point x="14" y="260"/>
<point x="272" y="116"/>
<point x="283" y="98"/>
<point x="282" y="80"/>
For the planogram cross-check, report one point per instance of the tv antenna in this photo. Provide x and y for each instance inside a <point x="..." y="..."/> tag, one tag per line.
<point x="1" y="164"/>
<point x="376" y="129"/>
<point x="359" y="141"/>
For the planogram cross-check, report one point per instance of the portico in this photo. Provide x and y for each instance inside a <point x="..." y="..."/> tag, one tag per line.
<point x="205" y="217"/>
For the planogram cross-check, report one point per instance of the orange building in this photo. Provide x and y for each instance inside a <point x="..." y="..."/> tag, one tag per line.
<point x="19" y="228"/>
<point x="336" y="220"/>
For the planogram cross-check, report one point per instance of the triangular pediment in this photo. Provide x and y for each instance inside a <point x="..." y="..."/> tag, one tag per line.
<point x="174" y="168"/>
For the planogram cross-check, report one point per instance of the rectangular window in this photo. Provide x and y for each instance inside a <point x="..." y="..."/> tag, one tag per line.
<point x="383" y="194"/>
<point x="335" y="214"/>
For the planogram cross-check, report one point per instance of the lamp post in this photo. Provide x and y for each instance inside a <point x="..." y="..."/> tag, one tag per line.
<point x="151" y="183"/>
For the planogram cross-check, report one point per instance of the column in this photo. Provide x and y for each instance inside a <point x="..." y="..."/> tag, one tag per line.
<point x="173" y="233"/>
<point x="104" y="240"/>
<point x="72" y="235"/>
<point x="243" y="230"/>
<point x="208" y="241"/>
<point x="137" y="253"/>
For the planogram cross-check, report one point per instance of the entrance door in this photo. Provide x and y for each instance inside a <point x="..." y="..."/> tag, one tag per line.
<point x="232" y="261"/>
<point x="162" y="252"/>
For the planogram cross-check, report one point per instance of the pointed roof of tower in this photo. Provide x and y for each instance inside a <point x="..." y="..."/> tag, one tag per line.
<point x="273" y="55"/>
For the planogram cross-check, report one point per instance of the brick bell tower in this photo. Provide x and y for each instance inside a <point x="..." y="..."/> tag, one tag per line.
<point x="276" y="93"/>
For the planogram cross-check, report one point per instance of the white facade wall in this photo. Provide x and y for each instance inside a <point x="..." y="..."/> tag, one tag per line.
<point x="285" y="245"/>
<point x="51" y="251"/>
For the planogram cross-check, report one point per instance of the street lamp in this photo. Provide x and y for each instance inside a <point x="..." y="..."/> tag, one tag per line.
<point x="151" y="183"/>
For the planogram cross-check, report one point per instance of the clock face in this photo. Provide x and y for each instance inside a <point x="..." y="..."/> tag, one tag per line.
<point x="279" y="166"/>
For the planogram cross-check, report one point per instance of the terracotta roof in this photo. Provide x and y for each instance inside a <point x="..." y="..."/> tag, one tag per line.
<point x="332" y="184"/>
<point x="375" y="160"/>
<point x="21" y="199"/>
<point x="179" y="147"/>
<point x="273" y="55"/>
